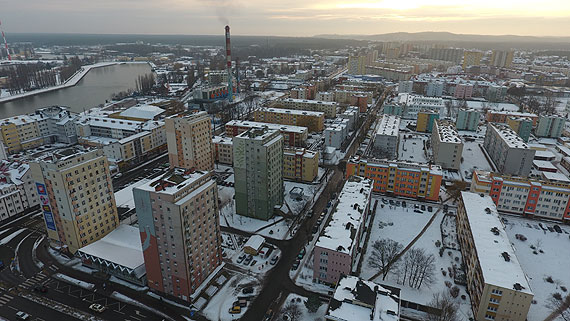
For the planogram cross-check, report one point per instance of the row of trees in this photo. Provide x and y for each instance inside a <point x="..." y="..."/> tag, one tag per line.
<point x="72" y="65"/>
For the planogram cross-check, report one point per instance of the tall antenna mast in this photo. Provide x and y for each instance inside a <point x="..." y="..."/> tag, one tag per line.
<point x="229" y="64"/>
<point x="5" y="42"/>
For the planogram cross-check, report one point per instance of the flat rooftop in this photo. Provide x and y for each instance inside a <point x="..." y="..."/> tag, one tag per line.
<point x="509" y="136"/>
<point x="497" y="256"/>
<point x="293" y="112"/>
<point x="447" y="132"/>
<point x="307" y="101"/>
<point x="279" y="127"/>
<point x="389" y="125"/>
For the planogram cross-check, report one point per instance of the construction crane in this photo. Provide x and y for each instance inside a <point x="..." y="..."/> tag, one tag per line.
<point x="5" y="42"/>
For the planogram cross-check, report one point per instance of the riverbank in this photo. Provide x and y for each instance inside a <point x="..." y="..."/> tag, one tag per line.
<point x="72" y="81"/>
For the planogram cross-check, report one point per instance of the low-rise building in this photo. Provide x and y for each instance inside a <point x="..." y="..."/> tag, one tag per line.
<point x="547" y="197"/>
<point x="521" y="125"/>
<point x="351" y="113"/>
<point x="425" y="121"/>
<point x="550" y="126"/>
<point x="292" y="135"/>
<point x="494" y="116"/>
<point x="223" y="150"/>
<point x="496" y="282"/>
<point x="387" y="137"/>
<point x="399" y="178"/>
<point x="335" y="134"/>
<point x="467" y="119"/>
<point x="463" y="91"/>
<point x="17" y="190"/>
<point x="325" y="96"/>
<point x="300" y="164"/>
<point x="358" y="299"/>
<point x="507" y="150"/>
<point x="446" y="145"/>
<point x="314" y="121"/>
<point x="327" y="107"/>
<point x="336" y="249"/>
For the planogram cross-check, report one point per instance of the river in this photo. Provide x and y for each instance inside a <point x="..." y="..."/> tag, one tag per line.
<point x="94" y="89"/>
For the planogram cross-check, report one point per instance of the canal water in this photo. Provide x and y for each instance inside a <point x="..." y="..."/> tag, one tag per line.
<point x="94" y="89"/>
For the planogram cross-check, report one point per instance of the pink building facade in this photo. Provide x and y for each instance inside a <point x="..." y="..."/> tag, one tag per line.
<point x="463" y="91"/>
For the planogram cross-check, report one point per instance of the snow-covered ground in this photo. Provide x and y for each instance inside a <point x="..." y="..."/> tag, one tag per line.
<point x="412" y="149"/>
<point x="69" y="279"/>
<point x="473" y="158"/>
<point x="276" y="227"/>
<point x="219" y="305"/>
<point x="299" y="301"/>
<point x="124" y="197"/>
<point x="553" y="262"/>
<point x="402" y="226"/>
<point x="261" y="265"/>
<point x="294" y="204"/>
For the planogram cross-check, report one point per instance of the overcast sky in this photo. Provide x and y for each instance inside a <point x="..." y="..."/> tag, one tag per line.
<point x="287" y="18"/>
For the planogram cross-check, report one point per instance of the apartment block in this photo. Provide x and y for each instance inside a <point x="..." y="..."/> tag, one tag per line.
<point x="223" y="150"/>
<point x="393" y="109"/>
<point x="399" y="178"/>
<point x="314" y="121"/>
<point x="45" y="126"/>
<point x="336" y="249"/>
<point x="258" y="170"/>
<point x="351" y="97"/>
<point x="550" y="126"/>
<point x="292" y="135"/>
<point x="189" y="139"/>
<point x="336" y="133"/>
<point x="76" y="196"/>
<point x="467" y="119"/>
<point x="496" y="93"/>
<point x="327" y="107"/>
<point x="463" y="91"/>
<point x="356" y="65"/>
<point x="496" y="283"/>
<point x="502" y="116"/>
<point x="358" y="299"/>
<point x="351" y="113"/>
<point x="300" y="164"/>
<point x="405" y="87"/>
<point x="426" y="119"/>
<point x="179" y="228"/>
<point x="387" y="136"/>
<point x="545" y="197"/>
<point x="413" y="104"/>
<point x="17" y="189"/>
<point x="508" y="151"/>
<point x="434" y="89"/>
<point x="446" y="145"/>
<point x="521" y="125"/>
<point x="324" y="96"/>
<point x="502" y="58"/>
<point x="471" y="58"/>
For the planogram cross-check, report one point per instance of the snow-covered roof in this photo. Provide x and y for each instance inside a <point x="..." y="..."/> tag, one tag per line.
<point x="357" y="299"/>
<point x="497" y="257"/>
<point x="389" y="125"/>
<point x="142" y="111"/>
<point x="543" y="164"/>
<point x="313" y="102"/>
<point x="556" y="177"/>
<point x="122" y="247"/>
<point x="509" y="136"/>
<point x="255" y="242"/>
<point x="340" y="233"/>
<point x="279" y="127"/>
<point x="293" y="112"/>
<point x="447" y="132"/>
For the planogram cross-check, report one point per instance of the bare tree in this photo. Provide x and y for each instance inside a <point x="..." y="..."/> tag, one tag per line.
<point x="417" y="268"/>
<point x="444" y="303"/>
<point x="292" y="311"/>
<point x="559" y="307"/>
<point x="383" y="253"/>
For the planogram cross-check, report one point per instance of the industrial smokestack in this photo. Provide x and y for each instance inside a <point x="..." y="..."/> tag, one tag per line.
<point x="229" y="64"/>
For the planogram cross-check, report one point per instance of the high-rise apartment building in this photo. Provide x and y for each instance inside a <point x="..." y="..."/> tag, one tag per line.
<point x="550" y="126"/>
<point x="189" y="140"/>
<point x="507" y="150"/>
<point x="76" y="195"/>
<point x="467" y="119"/>
<point x="258" y="172"/>
<point x="356" y="65"/>
<point x="502" y="58"/>
<point x="426" y="119"/>
<point x="446" y="145"/>
<point x="180" y="231"/>
<point x="496" y="282"/>
<point x="472" y="58"/>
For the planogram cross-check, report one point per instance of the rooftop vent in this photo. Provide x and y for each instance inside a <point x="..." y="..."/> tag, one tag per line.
<point x="518" y="286"/>
<point x="487" y="210"/>
<point x="495" y="230"/>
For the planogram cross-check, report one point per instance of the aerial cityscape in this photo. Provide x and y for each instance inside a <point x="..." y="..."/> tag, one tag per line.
<point x="323" y="161"/>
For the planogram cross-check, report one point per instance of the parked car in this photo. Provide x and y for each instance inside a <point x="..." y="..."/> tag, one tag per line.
<point x="241" y="258"/>
<point x="40" y="288"/>
<point x="22" y="315"/>
<point x="274" y="260"/>
<point x="268" y="315"/>
<point x="248" y="290"/>
<point x="97" y="307"/>
<point x="302" y="253"/>
<point x="423" y="207"/>
<point x="430" y="209"/>
<point x="242" y="303"/>
<point x="235" y="309"/>
<point x="253" y="262"/>
<point x="248" y="259"/>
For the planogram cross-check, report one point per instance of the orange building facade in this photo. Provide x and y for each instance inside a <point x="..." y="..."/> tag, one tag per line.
<point x="399" y="178"/>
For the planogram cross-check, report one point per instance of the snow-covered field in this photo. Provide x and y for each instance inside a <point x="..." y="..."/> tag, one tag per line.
<point x="276" y="227"/>
<point x="298" y="300"/>
<point x="473" y="158"/>
<point x="553" y="262"/>
<point x="412" y="149"/>
<point x="219" y="305"/>
<point x="402" y="226"/>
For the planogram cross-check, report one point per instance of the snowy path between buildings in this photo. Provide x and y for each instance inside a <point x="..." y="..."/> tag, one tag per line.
<point x="72" y="81"/>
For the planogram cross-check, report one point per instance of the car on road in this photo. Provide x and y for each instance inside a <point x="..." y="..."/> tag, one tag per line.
<point x="235" y="309"/>
<point x="274" y="260"/>
<point x="40" y="288"/>
<point x="22" y="315"/>
<point x="248" y="290"/>
<point x="248" y="259"/>
<point x="268" y="315"/>
<point x="97" y="307"/>
<point x="241" y="258"/>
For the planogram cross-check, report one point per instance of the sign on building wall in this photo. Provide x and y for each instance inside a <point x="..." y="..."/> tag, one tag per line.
<point x="44" y="203"/>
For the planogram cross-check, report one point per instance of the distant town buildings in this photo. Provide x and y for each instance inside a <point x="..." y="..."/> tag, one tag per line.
<point x="327" y="107"/>
<point x="507" y="150"/>
<point x="189" y="140"/>
<point x="258" y="170"/>
<point x="178" y="218"/>
<point x="493" y="116"/>
<point x="336" y="249"/>
<point x="497" y="285"/>
<point x="502" y="58"/>
<point x="76" y="196"/>
<point x="471" y="58"/>
<point x="293" y="135"/>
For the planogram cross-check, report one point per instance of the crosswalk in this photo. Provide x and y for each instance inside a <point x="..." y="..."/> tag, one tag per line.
<point x="36" y="279"/>
<point x="5" y="298"/>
